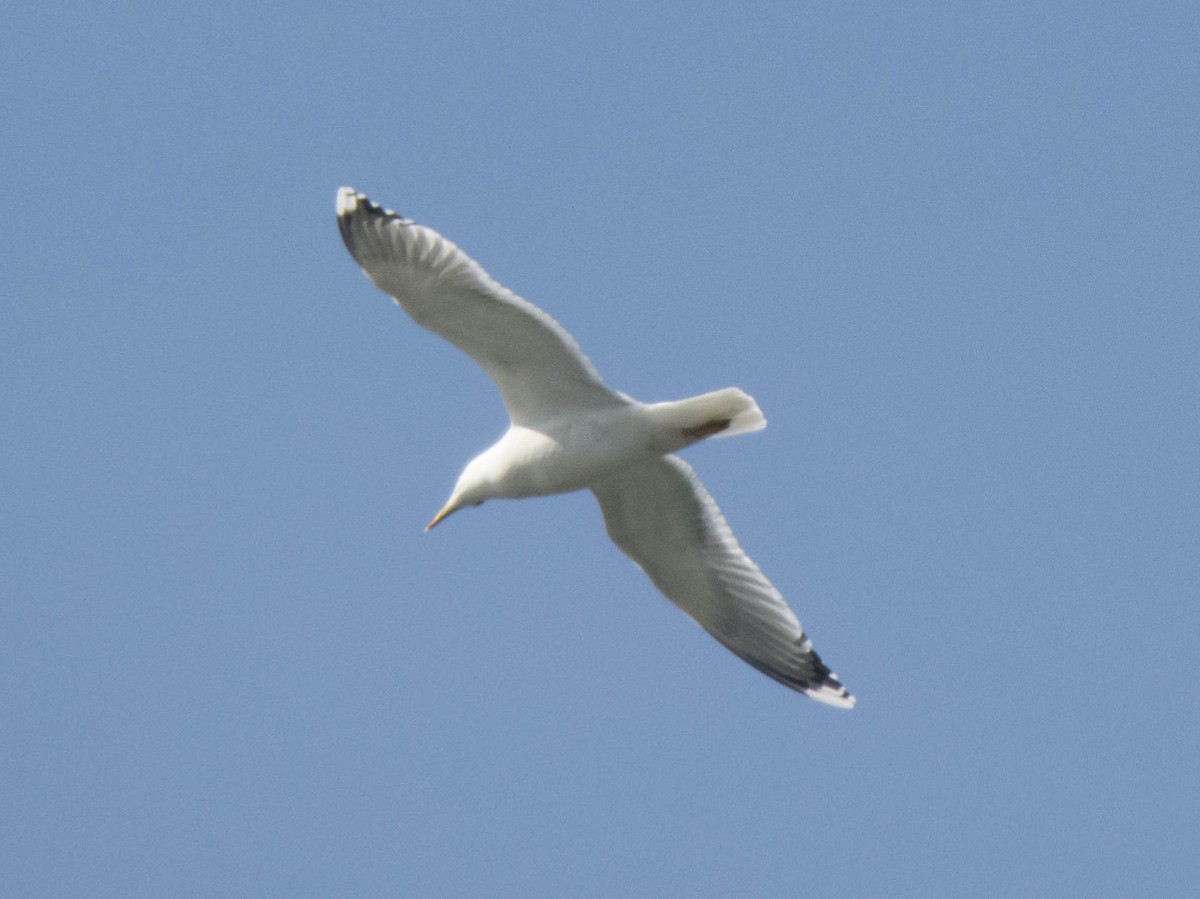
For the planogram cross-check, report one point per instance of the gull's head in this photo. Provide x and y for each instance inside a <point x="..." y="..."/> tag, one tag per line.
<point x="475" y="485"/>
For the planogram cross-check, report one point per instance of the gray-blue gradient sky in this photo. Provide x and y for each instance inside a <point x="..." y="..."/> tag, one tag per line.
<point x="952" y="250"/>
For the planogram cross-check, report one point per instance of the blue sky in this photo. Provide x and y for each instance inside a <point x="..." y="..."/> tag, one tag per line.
<point x="952" y="250"/>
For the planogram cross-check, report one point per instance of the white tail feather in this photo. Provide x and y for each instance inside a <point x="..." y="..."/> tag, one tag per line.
<point x="721" y="413"/>
<point x="746" y="416"/>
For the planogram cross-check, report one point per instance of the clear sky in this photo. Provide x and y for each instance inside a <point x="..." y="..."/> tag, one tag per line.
<point x="952" y="249"/>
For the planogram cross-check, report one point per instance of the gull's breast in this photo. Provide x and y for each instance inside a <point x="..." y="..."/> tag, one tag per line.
<point x="569" y="454"/>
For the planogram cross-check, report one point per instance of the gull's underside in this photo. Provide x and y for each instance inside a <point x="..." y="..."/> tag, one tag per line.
<point x="569" y="431"/>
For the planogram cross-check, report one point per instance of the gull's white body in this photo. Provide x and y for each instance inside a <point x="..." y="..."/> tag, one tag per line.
<point x="569" y="431"/>
<point x="561" y="453"/>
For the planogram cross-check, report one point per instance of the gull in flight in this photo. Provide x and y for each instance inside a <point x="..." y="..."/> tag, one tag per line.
<point x="569" y="431"/>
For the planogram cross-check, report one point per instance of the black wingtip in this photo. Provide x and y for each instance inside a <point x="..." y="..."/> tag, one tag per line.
<point x="351" y="203"/>
<point x="830" y="691"/>
<point x="356" y="215"/>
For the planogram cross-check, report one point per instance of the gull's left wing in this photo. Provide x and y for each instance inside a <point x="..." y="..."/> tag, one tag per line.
<point x="536" y="364"/>
<point x="661" y="516"/>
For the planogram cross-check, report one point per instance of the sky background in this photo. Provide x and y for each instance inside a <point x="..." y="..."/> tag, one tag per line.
<point x="952" y="249"/>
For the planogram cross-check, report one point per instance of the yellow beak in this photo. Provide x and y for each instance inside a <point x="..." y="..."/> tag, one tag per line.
<point x="446" y="510"/>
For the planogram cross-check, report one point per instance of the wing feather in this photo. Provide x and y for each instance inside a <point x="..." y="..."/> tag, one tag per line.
<point x="660" y="515"/>
<point x="536" y="364"/>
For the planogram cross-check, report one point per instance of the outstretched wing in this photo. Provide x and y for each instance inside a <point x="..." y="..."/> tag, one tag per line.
<point x="531" y="358"/>
<point x="661" y="516"/>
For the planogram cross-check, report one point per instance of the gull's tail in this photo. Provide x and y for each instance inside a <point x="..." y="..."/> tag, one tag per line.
<point x="721" y="413"/>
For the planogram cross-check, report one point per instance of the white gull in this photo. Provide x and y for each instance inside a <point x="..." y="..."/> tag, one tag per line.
<point x="569" y="431"/>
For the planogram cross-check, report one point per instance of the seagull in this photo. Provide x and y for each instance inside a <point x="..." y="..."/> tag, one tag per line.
<point x="569" y="432"/>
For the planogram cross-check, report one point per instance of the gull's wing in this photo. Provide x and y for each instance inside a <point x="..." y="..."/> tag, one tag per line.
<point x="661" y="516"/>
<point x="535" y="363"/>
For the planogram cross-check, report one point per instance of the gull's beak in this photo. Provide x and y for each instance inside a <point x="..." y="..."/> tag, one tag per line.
<point x="446" y="510"/>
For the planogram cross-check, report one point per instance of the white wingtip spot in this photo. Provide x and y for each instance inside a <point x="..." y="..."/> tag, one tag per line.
<point x="832" y="697"/>
<point x="347" y="200"/>
<point x="838" y="696"/>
